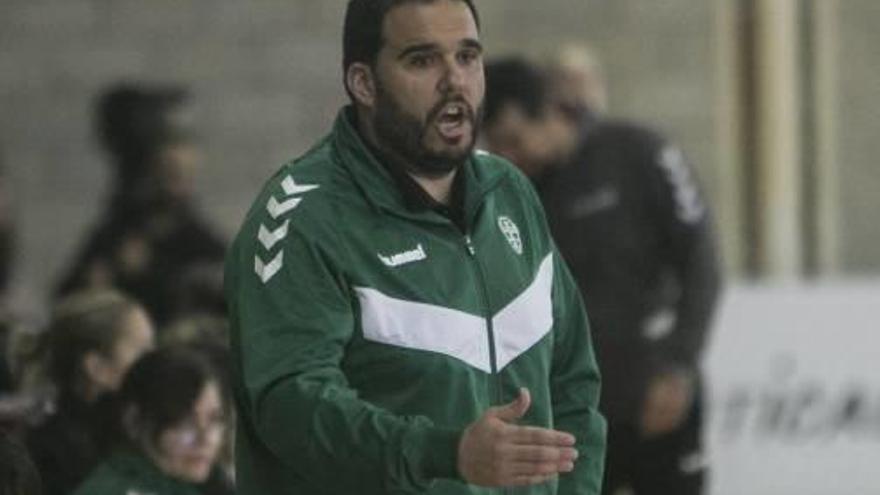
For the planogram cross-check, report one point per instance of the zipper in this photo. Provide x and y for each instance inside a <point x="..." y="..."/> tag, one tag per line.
<point x="490" y="330"/>
<point x="484" y="296"/>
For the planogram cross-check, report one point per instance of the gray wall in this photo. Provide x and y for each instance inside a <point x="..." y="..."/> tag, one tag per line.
<point x="266" y="75"/>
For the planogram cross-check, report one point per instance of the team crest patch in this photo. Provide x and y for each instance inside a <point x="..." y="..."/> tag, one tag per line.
<point x="511" y="233"/>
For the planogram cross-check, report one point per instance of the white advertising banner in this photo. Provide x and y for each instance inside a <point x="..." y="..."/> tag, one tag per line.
<point x="794" y="391"/>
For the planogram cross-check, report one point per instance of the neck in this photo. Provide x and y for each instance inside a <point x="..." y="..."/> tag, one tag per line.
<point x="438" y="187"/>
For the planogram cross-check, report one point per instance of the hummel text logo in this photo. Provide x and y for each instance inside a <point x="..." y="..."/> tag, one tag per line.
<point x="417" y="254"/>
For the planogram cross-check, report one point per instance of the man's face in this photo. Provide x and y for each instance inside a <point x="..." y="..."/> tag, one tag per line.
<point x="176" y="170"/>
<point x="528" y="142"/>
<point x="429" y="86"/>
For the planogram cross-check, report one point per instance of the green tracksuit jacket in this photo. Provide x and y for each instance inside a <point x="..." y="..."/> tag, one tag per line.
<point x="366" y="335"/>
<point x="129" y="473"/>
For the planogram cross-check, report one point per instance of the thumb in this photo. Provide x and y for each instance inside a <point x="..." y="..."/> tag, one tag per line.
<point x="516" y="409"/>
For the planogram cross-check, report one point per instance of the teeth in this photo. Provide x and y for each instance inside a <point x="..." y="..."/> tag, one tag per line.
<point x="454" y="111"/>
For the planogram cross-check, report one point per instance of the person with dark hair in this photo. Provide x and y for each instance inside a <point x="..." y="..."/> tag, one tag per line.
<point x="627" y="214"/>
<point x="18" y="475"/>
<point x="92" y="340"/>
<point x="400" y="319"/>
<point x="151" y="235"/>
<point x="210" y="335"/>
<point x="169" y="429"/>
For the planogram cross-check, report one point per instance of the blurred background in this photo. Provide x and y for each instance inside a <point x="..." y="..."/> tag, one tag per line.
<point x="774" y="102"/>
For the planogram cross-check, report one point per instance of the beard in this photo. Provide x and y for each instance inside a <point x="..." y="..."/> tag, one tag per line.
<point x="404" y="135"/>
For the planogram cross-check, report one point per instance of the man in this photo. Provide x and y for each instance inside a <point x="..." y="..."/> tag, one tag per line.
<point x="401" y="322"/>
<point x="151" y="238"/>
<point x="627" y="215"/>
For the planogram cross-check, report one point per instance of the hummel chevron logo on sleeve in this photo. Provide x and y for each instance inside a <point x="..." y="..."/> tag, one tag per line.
<point x="268" y="270"/>
<point x="291" y="187"/>
<point x="269" y="238"/>
<point x="277" y="209"/>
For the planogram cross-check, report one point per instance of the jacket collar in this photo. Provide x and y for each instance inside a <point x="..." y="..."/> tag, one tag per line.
<point x="384" y="192"/>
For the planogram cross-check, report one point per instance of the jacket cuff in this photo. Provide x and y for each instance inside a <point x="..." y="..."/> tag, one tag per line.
<point x="441" y="453"/>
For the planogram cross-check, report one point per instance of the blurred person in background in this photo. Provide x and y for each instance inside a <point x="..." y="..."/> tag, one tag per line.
<point x="209" y="334"/>
<point x="18" y="474"/>
<point x="92" y="340"/>
<point x="169" y="429"/>
<point x="151" y="234"/>
<point x="401" y="321"/>
<point x="627" y="215"/>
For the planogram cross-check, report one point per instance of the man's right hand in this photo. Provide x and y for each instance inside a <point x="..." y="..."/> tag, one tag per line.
<point x="496" y="452"/>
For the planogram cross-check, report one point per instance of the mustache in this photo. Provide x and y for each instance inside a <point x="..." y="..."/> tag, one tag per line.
<point x="438" y="108"/>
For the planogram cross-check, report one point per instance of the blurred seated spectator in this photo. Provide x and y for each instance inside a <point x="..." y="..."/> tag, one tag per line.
<point x="170" y="427"/>
<point x="18" y="475"/>
<point x="209" y="333"/>
<point x="93" y="339"/>
<point x="151" y="231"/>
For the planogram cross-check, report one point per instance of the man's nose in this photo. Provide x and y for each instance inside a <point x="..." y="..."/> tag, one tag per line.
<point x="453" y="79"/>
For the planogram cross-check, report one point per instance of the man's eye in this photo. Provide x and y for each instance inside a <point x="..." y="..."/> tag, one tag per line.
<point x="468" y="56"/>
<point x="421" y="60"/>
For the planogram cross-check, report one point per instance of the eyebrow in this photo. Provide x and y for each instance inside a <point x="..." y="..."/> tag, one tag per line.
<point x="427" y="47"/>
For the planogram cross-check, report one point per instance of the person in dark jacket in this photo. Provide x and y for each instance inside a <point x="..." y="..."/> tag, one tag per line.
<point x="169" y="429"/>
<point x="628" y="216"/>
<point x="93" y="339"/>
<point x="151" y="236"/>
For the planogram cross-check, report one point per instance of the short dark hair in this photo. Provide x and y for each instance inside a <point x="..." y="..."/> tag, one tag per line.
<point x="135" y="120"/>
<point x="146" y="389"/>
<point x="514" y="80"/>
<point x="362" y="33"/>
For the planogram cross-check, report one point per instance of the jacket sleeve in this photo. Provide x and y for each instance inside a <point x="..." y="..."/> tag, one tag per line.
<point x="689" y="245"/>
<point x="575" y="386"/>
<point x="289" y="337"/>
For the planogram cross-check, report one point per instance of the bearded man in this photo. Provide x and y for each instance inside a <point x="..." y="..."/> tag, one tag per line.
<point x="401" y="320"/>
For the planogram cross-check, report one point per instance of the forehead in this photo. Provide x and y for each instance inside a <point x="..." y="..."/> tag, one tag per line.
<point x="441" y="21"/>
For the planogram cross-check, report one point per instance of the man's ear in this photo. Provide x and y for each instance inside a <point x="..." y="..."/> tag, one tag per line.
<point x="360" y="80"/>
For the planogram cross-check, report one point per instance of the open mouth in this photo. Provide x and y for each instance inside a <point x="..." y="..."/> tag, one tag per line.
<point x="453" y="121"/>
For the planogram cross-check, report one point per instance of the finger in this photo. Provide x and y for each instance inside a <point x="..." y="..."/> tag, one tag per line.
<point x="531" y="480"/>
<point x="532" y="435"/>
<point x="522" y="453"/>
<point x="538" y="468"/>
<point x="514" y="410"/>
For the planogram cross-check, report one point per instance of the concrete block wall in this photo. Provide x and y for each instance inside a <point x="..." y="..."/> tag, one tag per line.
<point x="267" y="81"/>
